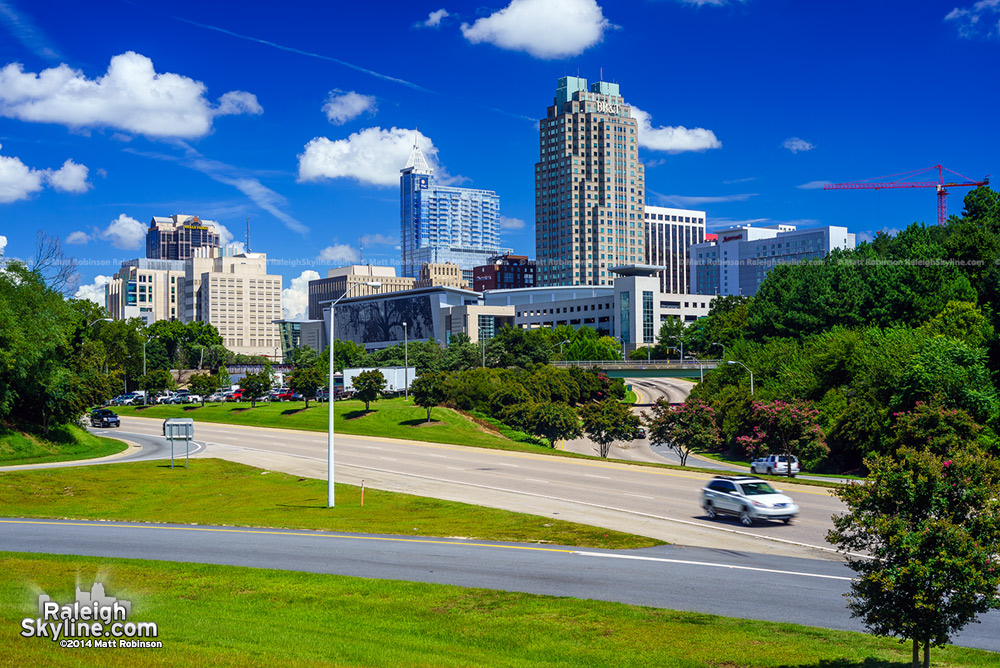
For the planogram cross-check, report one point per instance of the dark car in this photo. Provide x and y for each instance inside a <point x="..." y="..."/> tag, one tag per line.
<point x="102" y="417"/>
<point x="640" y="432"/>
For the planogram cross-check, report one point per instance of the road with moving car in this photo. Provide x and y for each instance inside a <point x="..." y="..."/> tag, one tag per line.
<point x="771" y="588"/>
<point x="657" y="502"/>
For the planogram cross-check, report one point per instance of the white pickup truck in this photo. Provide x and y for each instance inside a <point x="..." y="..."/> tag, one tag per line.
<point x="774" y="465"/>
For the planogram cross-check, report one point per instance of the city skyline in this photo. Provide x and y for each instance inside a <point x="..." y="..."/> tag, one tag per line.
<point x="744" y="109"/>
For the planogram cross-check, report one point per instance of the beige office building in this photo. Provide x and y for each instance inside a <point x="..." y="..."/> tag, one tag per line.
<point x="340" y="280"/>
<point x="148" y="289"/>
<point x="589" y="186"/>
<point x="234" y="293"/>
<point x="446" y="273"/>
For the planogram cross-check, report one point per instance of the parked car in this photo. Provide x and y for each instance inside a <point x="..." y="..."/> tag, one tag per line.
<point x="288" y="395"/>
<point x="322" y="394"/>
<point x="235" y="395"/>
<point x="180" y="397"/>
<point x="774" y="465"/>
<point x="748" y="498"/>
<point x="102" y="417"/>
<point x="131" y="400"/>
<point x="117" y="400"/>
<point x="216" y="397"/>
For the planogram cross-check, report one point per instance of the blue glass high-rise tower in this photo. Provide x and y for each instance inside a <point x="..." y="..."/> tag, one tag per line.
<point x="441" y="224"/>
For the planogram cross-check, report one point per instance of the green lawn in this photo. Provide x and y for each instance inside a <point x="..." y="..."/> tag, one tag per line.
<point x="62" y="444"/>
<point x="214" y="491"/>
<point x="391" y="418"/>
<point x="241" y="617"/>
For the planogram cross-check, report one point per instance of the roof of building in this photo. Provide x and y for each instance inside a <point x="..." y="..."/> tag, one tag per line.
<point x="417" y="160"/>
<point x="637" y="269"/>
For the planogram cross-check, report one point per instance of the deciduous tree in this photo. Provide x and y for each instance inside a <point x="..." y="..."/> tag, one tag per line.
<point x="429" y="390"/>
<point x="306" y="381"/>
<point x="368" y="386"/>
<point x="608" y="421"/>
<point x="689" y="427"/>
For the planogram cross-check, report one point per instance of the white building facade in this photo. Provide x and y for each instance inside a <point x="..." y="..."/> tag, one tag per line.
<point x="670" y="233"/>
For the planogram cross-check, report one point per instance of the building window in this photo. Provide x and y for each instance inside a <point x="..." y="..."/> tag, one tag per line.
<point x="647" y="316"/>
<point x="624" y="310"/>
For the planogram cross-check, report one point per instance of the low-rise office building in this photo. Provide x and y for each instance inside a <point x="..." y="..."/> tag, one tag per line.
<point x="505" y="272"/>
<point x="148" y="289"/>
<point x="737" y="262"/>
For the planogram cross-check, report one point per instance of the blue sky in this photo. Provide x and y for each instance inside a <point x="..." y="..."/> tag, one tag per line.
<point x="300" y="115"/>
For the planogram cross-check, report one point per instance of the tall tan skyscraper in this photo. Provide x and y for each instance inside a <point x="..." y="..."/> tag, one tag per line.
<point x="589" y="186"/>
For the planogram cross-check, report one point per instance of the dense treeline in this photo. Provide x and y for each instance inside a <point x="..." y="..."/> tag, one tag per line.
<point x="892" y="342"/>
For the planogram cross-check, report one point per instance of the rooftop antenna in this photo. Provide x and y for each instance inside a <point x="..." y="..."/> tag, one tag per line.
<point x="248" y="234"/>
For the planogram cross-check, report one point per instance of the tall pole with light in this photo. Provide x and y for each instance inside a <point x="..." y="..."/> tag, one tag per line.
<point x="745" y="367"/>
<point x="406" y="364"/>
<point x="723" y="349"/>
<point x="329" y="455"/>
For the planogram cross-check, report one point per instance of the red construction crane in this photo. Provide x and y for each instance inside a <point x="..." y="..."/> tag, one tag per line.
<point x="901" y="182"/>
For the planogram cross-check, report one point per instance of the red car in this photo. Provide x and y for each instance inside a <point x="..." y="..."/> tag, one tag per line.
<point x="237" y="395"/>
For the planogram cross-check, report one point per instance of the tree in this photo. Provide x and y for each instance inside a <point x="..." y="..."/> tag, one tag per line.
<point x="788" y="427"/>
<point x="461" y="353"/>
<point x="428" y="390"/>
<point x="684" y="429"/>
<point x="255" y="385"/>
<point x="154" y="382"/>
<point x="203" y="384"/>
<point x="368" y="386"/>
<point x="225" y="380"/>
<point x="53" y="265"/>
<point x="608" y="421"/>
<point x="929" y="527"/>
<point x="302" y="357"/>
<point x="555" y="421"/>
<point x="306" y="381"/>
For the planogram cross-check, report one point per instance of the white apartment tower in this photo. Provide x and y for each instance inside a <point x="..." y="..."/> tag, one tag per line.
<point x="589" y="186"/>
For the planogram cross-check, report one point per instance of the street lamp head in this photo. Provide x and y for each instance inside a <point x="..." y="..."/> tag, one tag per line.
<point x="373" y="284"/>
<point x="730" y="362"/>
<point x="100" y="320"/>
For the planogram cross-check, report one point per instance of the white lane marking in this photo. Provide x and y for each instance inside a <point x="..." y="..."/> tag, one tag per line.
<point x="712" y="565"/>
<point x="453" y="468"/>
<point x="578" y="502"/>
<point x="640" y="496"/>
<point x="517" y="466"/>
<point x="537" y="480"/>
<point x="391" y="459"/>
<point x="374" y="447"/>
<point x="591" y="475"/>
<point x="431" y="454"/>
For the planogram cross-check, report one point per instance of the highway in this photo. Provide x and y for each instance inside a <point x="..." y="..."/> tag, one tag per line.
<point x="723" y="582"/>
<point x="650" y="501"/>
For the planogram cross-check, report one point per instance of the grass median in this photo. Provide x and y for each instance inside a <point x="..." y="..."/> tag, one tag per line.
<point x="214" y="491"/>
<point x="234" y="617"/>
<point x="63" y="443"/>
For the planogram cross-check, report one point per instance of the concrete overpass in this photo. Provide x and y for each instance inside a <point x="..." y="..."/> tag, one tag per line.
<point x="644" y="368"/>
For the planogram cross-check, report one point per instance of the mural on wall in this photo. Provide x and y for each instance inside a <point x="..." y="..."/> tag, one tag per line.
<point x="382" y="320"/>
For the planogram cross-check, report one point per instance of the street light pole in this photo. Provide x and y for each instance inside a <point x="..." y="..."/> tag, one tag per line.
<point x="406" y="364"/>
<point x="745" y="367"/>
<point x="330" y="397"/>
<point x="701" y="369"/>
<point x="723" y="349"/>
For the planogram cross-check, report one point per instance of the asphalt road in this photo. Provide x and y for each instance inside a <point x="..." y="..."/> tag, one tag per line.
<point x="723" y="582"/>
<point x="659" y="503"/>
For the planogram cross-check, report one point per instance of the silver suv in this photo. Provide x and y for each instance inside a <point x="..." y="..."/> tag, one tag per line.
<point x="748" y="498"/>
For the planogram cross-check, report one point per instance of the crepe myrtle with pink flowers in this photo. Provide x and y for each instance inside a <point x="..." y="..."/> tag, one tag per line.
<point x="790" y="428"/>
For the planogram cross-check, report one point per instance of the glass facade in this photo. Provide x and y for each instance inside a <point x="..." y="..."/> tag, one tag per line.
<point x="624" y="311"/>
<point x="647" y="316"/>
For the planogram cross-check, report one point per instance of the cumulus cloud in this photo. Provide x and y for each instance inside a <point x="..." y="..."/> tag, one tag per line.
<point x="70" y="178"/>
<point x="131" y="96"/>
<point x="93" y="291"/>
<point x="434" y="19"/>
<point x="981" y="18"/>
<point x="78" y="237"/>
<point x="372" y="156"/>
<point x="814" y="185"/>
<point x="507" y="223"/>
<point x="295" y="298"/>
<point x="546" y="29"/>
<point x="339" y="254"/>
<point x="341" y="107"/>
<point x="796" y="145"/>
<point x="3" y="243"/>
<point x="124" y="232"/>
<point x="17" y="180"/>
<point x="677" y="139"/>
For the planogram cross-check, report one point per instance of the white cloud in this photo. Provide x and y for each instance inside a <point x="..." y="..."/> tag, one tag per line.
<point x="546" y="29"/>
<point x="434" y="19"/>
<point x="3" y="243"/>
<point x="339" y="254"/>
<point x="976" y="20"/>
<point x="379" y="240"/>
<point x="130" y="96"/>
<point x="677" y="139"/>
<point x="17" y="180"/>
<point x="372" y="156"/>
<point x="341" y="107"/>
<point x="94" y="291"/>
<point x="78" y="237"/>
<point x="295" y="298"/>
<point x="124" y="232"/>
<point x="711" y="3"/>
<point x="814" y="185"/>
<point x="685" y="200"/>
<point x="511" y="223"/>
<point x="70" y="178"/>
<point x="796" y="145"/>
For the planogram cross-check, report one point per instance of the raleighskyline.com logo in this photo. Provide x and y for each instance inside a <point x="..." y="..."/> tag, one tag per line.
<point x="92" y="620"/>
